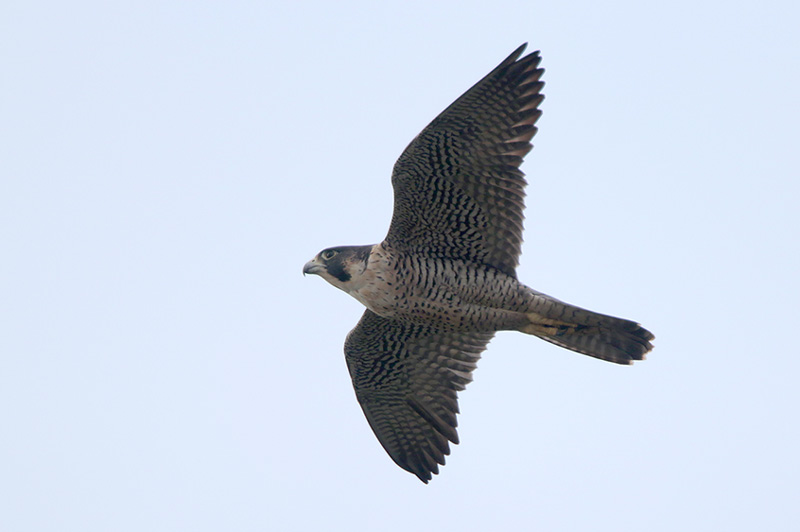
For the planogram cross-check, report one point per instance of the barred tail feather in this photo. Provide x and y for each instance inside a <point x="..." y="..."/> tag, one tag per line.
<point x="589" y="333"/>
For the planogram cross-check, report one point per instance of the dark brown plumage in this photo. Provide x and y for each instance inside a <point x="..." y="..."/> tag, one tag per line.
<point x="459" y="180"/>
<point x="406" y="377"/>
<point x="444" y="279"/>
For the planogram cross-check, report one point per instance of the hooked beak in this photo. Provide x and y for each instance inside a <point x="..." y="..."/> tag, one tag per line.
<point x="313" y="267"/>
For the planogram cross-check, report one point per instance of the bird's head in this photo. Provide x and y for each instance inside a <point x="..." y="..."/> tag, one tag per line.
<point x="340" y="266"/>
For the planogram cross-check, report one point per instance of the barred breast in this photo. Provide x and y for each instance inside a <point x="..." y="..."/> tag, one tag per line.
<point x="450" y="294"/>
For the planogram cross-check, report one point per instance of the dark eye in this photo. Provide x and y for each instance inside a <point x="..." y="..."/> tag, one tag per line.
<point x="328" y="254"/>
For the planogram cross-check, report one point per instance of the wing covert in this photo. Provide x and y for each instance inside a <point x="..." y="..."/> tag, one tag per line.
<point x="458" y="190"/>
<point x="406" y="378"/>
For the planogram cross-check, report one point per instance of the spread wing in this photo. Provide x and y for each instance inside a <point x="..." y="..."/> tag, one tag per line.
<point x="458" y="190"/>
<point x="406" y="378"/>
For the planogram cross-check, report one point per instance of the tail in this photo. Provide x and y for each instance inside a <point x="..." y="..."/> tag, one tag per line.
<point x="589" y="333"/>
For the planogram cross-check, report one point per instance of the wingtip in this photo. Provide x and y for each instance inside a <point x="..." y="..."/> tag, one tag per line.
<point x="514" y="56"/>
<point x="522" y="47"/>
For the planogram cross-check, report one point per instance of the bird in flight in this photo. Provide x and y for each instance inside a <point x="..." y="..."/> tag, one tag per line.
<point x="444" y="281"/>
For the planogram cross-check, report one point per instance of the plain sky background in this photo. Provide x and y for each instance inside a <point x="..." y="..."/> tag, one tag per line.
<point x="166" y="169"/>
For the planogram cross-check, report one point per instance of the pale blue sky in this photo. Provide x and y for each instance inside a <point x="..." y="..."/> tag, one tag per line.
<point x="166" y="168"/>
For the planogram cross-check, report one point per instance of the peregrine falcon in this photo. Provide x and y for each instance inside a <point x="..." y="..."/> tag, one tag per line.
<point x="444" y="280"/>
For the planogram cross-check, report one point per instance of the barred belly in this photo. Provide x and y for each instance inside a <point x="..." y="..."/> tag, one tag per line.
<point x="447" y="294"/>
